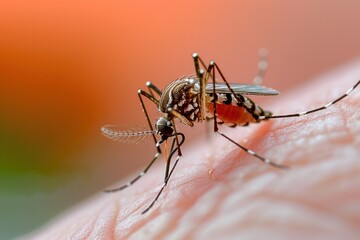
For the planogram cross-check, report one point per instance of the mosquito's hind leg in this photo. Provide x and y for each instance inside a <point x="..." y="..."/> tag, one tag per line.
<point x="265" y="160"/>
<point x="315" y="109"/>
<point x="169" y="172"/>
<point x="212" y="67"/>
<point x="151" y="87"/>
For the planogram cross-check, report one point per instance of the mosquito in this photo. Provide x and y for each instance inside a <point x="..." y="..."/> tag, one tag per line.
<point x="195" y="99"/>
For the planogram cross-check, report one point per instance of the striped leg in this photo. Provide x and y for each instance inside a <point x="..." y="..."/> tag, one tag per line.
<point x="315" y="109"/>
<point x="265" y="160"/>
<point x="243" y="101"/>
<point x="168" y="173"/>
<point x="153" y="87"/>
<point x="162" y="187"/>
<point x="211" y="69"/>
<point x="136" y="178"/>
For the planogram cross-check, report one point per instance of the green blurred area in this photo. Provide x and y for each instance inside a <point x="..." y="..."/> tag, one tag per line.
<point x="26" y="204"/>
<point x="33" y="188"/>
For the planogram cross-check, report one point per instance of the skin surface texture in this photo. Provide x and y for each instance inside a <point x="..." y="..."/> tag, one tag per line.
<point x="220" y="192"/>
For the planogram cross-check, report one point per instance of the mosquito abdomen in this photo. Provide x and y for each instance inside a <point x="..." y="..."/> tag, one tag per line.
<point x="230" y="114"/>
<point x="231" y="111"/>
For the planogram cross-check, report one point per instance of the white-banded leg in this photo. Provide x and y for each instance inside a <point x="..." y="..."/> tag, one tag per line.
<point x="241" y="100"/>
<point x="315" y="109"/>
<point x="167" y="176"/>
<point x="212" y="67"/>
<point x="136" y="178"/>
<point x="210" y="73"/>
<point x="265" y="160"/>
<point x="262" y="66"/>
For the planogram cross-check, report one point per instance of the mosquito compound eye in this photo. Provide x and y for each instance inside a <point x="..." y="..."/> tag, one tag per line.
<point x="164" y="127"/>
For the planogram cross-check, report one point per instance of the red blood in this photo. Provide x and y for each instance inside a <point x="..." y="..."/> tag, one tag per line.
<point x="229" y="113"/>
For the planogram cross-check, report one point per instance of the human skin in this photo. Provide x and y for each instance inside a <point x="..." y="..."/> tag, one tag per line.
<point x="219" y="191"/>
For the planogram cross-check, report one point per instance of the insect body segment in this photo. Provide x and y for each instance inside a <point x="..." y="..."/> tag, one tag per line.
<point x="231" y="112"/>
<point x="181" y="97"/>
<point x="193" y="99"/>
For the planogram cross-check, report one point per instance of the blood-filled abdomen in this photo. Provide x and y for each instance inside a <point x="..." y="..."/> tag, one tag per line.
<point x="230" y="114"/>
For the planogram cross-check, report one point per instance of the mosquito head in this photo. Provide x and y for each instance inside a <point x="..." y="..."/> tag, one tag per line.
<point x="164" y="127"/>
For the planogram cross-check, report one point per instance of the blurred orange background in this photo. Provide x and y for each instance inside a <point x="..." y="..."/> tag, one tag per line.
<point x="67" y="68"/>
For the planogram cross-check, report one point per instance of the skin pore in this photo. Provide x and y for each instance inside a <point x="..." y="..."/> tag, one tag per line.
<point x="219" y="191"/>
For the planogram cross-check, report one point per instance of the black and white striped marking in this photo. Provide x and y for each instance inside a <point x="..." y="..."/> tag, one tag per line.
<point x="315" y="109"/>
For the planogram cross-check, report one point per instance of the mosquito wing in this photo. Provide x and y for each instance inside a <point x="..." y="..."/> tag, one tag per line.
<point x="245" y="89"/>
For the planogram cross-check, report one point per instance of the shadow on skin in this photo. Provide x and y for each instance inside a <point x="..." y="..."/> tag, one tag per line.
<point x="219" y="191"/>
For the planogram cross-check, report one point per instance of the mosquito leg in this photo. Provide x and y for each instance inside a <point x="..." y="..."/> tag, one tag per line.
<point x="197" y="62"/>
<point x="313" y="110"/>
<point x="171" y="171"/>
<point x="209" y="129"/>
<point x="136" y="178"/>
<point x="200" y="75"/>
<point x="167" y="169"/>
<point x="198" y="70"/>
<point x="153" y="87"/>
<point x="203" y="81"/>
<point x="151" y="98"/>
<point x="197" y="66"/>
<point x="243" y="101"/>
<point x="162" y="187"/>
<point x="176" y="134"/>
<point x="212" y="66"/>
<point x="265" y="160"/>
<point x="262" y="66"/>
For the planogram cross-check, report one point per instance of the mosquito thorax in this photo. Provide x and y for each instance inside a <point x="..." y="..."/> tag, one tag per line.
<point x="181" y="96"/>
<point x="164" y="127"/>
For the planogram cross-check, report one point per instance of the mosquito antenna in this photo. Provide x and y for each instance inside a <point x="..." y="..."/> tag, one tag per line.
<point x="131" y="135"/>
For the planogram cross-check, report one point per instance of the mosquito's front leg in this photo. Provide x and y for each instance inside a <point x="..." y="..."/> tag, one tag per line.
<point x="136" y="178"/>
<point x="168" y="161"/>
<point x="154" y="100"/>
<point x="151" y="87"/>
<point x="169" y="173"/>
